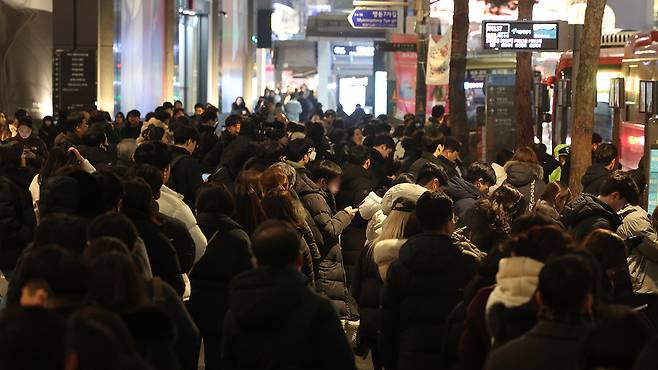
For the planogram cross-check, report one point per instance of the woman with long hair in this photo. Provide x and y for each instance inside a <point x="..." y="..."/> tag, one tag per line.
<point x="525" y="173"/>
<point x="278" y="204"/>
<point x="58" y="158"/>
<point x="248" y="195"/>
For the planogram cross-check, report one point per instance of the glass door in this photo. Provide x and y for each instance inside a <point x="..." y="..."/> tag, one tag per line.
<point x="191" y="59"/>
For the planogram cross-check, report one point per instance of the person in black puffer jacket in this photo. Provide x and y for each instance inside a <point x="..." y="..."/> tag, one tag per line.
<point x="605" y="160"/>
<point x="422" y="288"/>
<point x="319" y="202"/>
<point x="526" y="175"/>
<point x="227" y="255"/>
<point x="356" y="184"/>
<point x="586" y="213"/>
<point x="274" y="320"/>
<point x="17" y="220"/>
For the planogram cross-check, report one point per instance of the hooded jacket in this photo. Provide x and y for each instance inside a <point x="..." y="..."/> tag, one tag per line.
<point x="526" y="178"/>
<point x="516" y="282"/>
<point x="276" y="322"/>
<point x="464" y="195"/>
<point x="421" y="289"/>
<point x="586" y="213"/>
<point x="185" y="175"/>
<point x="643" y="259"/>
<point x="331" y="278"/>
<point x="171" y="204"/>
<point x="594" y="178"/>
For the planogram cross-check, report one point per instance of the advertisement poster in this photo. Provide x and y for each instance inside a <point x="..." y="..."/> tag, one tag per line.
<point x="405" y="77"/>
<point x="438" y="60"/>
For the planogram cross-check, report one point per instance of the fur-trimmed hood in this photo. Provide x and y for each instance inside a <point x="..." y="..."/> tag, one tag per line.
<point x="386" y="252"/>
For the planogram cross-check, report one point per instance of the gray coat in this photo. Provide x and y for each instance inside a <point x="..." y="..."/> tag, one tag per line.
<point x="643" y="259"/>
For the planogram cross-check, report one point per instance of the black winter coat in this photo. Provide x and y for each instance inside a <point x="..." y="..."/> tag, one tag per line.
<point x="422" y="288"/>
<point x="207" y="141"/>
<point x="425" y="157"/>
<point x="355" y="185"/>
<point x="331" y="278"/>
<point x="185" y="175"/>
<point x="366" y="289"/>
<point x="275" y="322"/>
<point x="527" y="178"/>
<point x="586" y="213"/>
<point x="162" y="254"/>
<point x="464" y="195"/>
<point x="17" y="221"/>
<point x="380" y="169"/>
<point x="227" y="255"/>
<point x="594" y="178"/>
<point x="181" y="239"/>
<point x="547" y="346"/>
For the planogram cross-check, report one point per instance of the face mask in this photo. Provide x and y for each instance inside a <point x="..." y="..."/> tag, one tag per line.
<point x="311" y="156"/>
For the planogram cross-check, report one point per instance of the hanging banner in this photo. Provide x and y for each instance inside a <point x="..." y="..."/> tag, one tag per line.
<point x="438" y="60"/>
<point x="405" y="72"/>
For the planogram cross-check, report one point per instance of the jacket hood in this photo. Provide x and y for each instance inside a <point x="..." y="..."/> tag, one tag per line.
<point x="408" y="191"/>
<point x="516" y="281"/>
<point x="386" y="252"/>
<point x="522" y="173"/>
<point x="264" y="295"/>
<point x="593" y="173"/>
<point x="586" y="206"/>
<point x="458" y="188"/>
<point x="304" y="185"/>
<point x="429" y="253"/>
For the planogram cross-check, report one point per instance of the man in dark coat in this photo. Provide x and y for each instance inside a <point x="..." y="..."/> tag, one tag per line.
<point x="605" y="160"/>
<point x="422" y="288"/>
<point x="586" y="213"/>
<point x="207" y="137"/>
<point x="564" y="294"/>
<point x="381" y="161"/>
<point x="356" y="182"/>
<point x="133" y="127"/>
<point x="227" y="255"/>
<point x="465" y="192"/>
<point x="230" y="143"/>
<point x="185" y="169"/>
<point x="434" y="144"/>
<point x="355" y="185"/>
<point x="274" y="320"/>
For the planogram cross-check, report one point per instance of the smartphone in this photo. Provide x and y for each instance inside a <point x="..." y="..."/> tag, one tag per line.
<point x="205" y="177"/>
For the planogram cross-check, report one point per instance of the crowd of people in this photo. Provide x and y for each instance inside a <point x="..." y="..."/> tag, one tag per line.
<point x="297" y="238"/>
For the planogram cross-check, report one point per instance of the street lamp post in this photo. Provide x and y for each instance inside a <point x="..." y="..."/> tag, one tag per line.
<point x="422" y="28"/>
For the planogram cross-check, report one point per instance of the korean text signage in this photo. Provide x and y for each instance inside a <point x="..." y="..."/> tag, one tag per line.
<point x="74" y="80"/>
<point x="368" y="18"/>
<point x="524" y="35"/>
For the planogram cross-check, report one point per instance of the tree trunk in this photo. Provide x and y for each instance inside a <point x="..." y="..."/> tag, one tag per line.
<point x="585" y="94"/>
<point x="456" y="93"/>
<point x="524" y="81"/>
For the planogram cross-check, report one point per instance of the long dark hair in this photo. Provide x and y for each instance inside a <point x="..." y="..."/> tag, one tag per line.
<point x="58" y="157"/>
<point x="248" y="194"/>
<point x="279" y="204"/>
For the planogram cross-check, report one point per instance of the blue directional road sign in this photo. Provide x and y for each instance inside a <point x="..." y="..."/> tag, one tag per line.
<point x="369" y="18"/>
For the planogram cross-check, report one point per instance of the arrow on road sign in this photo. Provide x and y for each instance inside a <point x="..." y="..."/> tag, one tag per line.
<point x="373" y="18"/>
